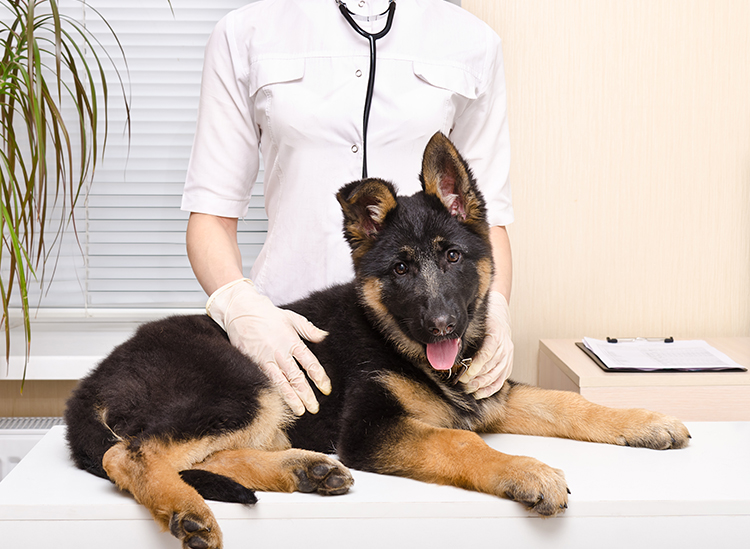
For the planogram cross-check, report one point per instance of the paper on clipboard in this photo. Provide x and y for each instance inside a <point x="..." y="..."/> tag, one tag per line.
<point x="645" y="355"/>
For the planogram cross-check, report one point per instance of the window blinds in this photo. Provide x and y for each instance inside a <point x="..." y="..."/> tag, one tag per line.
<point x="128" y="250"/>
<point x="130" y="245"/>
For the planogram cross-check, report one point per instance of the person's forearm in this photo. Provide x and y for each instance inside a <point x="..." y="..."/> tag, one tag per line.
<point x="503" y="279"/>
<point x="213" y="251"/>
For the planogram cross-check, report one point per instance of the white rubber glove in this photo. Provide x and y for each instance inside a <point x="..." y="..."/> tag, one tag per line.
<point x="273" y="338"/>
<point x="494" y="361"/>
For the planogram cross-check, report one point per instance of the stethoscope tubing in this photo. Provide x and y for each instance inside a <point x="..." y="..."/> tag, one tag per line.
<point x="371" y="38"/>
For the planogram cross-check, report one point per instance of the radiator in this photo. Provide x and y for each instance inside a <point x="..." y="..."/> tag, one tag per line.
<point x="18" y="435"/>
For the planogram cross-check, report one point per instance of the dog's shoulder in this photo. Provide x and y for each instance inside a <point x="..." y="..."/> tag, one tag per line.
<point x="353" y="343"/>
<point x="423" y="401"/>
<point x="327" y="306"/>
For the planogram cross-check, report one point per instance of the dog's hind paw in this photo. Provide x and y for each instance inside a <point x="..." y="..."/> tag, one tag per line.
<point x="194" y="532"/>
<point x="323" y="475"/>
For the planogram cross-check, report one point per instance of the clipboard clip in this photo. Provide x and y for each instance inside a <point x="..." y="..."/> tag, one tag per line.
<point x="669" y="339"/>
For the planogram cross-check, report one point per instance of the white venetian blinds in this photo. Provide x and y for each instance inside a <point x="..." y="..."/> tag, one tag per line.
<point x="131" y="233"/>
<point x="130" y="245"/>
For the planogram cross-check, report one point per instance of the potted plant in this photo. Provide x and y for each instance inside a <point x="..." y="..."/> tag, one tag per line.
<point x="50" y="64"/>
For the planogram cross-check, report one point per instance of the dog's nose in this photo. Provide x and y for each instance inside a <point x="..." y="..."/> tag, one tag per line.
<point x="442" y="325"/>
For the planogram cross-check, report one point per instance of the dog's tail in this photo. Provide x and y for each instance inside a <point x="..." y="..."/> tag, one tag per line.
<point x="218" y="487"/>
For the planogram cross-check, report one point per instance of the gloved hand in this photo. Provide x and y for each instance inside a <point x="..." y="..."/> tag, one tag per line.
<point x="272" y="337"/>
<point x="494" y="361"/>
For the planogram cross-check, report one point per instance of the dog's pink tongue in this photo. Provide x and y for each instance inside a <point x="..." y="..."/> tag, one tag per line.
<point x="442" y="355"/>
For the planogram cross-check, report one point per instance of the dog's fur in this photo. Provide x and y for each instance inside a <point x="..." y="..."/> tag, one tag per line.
<point x="177" y="413"/>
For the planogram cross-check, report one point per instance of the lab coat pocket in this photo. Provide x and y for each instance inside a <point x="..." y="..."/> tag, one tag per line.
<point x="266" y="72"/>
<point x="453" y="79"/>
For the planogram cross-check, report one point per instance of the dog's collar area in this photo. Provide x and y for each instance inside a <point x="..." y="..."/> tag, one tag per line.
<point x="454" y="374"/>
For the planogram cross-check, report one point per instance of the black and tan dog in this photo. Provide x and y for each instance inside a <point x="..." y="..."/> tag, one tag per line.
<point x="177" y="414"/>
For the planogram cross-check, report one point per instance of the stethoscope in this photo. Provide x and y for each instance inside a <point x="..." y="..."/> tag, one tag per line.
<point x="371" y="38"/>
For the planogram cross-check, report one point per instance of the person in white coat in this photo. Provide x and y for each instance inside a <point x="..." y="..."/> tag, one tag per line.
<point x="288" y="79"/>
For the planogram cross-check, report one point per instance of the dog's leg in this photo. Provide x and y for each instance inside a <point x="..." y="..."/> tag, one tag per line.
<point x="282" y="471"/>
<point x="530" y="410"/>
<point x="151" y="474"/>
<point x="461" y="458"/>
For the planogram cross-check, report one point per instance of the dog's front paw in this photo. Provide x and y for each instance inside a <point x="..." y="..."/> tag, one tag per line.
<point x="537" y="485"/>
<point x="656" y="431"/>
<point x="322" y="474"/>
<point x="195" y="532"/>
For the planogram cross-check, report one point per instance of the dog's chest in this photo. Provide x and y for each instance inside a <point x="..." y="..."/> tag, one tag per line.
<point x="441" y="407"/>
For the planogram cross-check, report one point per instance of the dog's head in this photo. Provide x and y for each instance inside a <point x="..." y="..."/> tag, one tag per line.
<point x="423" y="263"/>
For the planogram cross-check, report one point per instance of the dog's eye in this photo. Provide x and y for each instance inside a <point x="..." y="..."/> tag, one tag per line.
<point x="453" y="256"/>
<point x="400" y="268"/>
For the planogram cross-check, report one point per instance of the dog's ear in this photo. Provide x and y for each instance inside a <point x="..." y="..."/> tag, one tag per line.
<point x="446" y="176"/>
<point x="365" y="204"/>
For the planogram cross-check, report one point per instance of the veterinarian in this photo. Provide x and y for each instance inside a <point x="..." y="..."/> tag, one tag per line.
<point x="290" y="79"/>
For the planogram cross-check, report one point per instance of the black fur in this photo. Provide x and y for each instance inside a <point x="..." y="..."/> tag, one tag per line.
<point x="168" y="381"/>
<point x="218" y="487"/>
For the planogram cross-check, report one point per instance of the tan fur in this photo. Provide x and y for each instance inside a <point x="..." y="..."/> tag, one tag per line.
<point x="419" y="402"/>
<point x="428" y="444"/>
<point x="151" y="475"/>
<point x="371" y="296"/>
<point x="266" y="432"/>
<point x="151" y="471"/>
<point x="533" y="411"/>
<point x="461" y="458"/>
<point x="360" y="206"/>
<point x="440" y="175"/>
<point x="476" y="329"/>
<point x="266" y="471"/>
<point x="485" y="270"/>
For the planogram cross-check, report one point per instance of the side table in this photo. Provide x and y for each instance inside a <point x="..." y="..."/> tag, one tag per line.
<point x="690" y="396"/>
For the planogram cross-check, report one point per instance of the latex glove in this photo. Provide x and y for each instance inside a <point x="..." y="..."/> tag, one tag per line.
<point x="273" y="338"/>
<point x="494" y="361"/>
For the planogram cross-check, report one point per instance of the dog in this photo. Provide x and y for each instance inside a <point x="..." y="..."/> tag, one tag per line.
<point x="177" y="414"/>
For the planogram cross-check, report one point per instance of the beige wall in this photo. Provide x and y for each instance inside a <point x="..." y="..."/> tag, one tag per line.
<point x="630" y="127"/>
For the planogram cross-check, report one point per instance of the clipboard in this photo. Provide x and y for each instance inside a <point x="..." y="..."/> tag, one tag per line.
<point x="593" y="356"/>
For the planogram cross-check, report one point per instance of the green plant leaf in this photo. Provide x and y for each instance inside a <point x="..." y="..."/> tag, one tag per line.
<point x="48" y="59"/>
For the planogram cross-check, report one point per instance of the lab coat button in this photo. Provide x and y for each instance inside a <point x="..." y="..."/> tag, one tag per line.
<point x="358" y="73"/>
<point x="362" y="4"/>
<point x="355" y="149"/>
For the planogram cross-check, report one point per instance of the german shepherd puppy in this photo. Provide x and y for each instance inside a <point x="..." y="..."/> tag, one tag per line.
<point x="177" y="413"/>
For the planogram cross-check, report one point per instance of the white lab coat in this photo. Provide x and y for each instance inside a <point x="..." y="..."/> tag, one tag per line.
<point x="288" y="78"/>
